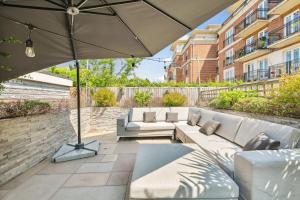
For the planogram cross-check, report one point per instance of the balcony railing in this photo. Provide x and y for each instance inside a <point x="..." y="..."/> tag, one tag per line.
<point x="274" y="71"/>
<point x="289" y="67"/>
<point x="228" y="40"/>
<point x="261" y="43"/>
<point x="259" y="14"/>
<point x="285" y="31"/>
<point x="256" y="75"/>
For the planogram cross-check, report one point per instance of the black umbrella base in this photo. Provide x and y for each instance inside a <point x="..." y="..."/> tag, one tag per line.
<point x="75" y="151"/>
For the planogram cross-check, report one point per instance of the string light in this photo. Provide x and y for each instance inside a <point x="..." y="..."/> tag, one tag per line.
<point x="29" y="50"/>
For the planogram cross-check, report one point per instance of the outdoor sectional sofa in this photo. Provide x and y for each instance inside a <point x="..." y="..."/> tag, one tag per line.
<point x="215" y="166"/>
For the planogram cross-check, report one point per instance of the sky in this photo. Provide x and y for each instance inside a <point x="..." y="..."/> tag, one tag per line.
<point x="154" y="71"/>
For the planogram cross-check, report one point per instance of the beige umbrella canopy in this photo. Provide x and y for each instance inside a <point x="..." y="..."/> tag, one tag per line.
<point x="65" y="30"/>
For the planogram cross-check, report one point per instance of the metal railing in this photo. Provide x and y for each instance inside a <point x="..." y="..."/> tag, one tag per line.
<point x="289" y="67"/>
<point x="285" y="31"/>
<point x="258" y="14"/>
<point x="257" y="75"/>
<point x="261" y="43"/>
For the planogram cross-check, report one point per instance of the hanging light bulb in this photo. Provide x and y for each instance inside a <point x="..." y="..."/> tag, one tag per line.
<point x="29" y="50"/>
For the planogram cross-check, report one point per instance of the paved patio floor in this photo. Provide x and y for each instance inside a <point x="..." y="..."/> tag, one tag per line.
<point x="103" y="177"/>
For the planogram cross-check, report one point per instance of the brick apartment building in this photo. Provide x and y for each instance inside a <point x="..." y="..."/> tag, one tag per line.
<point x="259" y="41"/>
<point x="195" y="57"/>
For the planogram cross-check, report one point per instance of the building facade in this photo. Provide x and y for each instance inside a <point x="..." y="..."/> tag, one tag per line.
<point x="195" y="57"/>
<point x="259" y="41"/>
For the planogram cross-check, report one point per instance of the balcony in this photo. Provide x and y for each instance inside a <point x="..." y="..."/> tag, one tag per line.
<point x="252" y="23"/>
<point x="289" y="68"/>
<point x="283" y="6"/>
<point x="257" y="75"/>
<point x="251" y="51"/>
<point x="285" y="35"/>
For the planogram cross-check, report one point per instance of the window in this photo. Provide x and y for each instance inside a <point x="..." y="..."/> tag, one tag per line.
<point x="250" y="45"/>
<point x="292" y="23"/>
<point x="263" y="39"/>
<point x="263" y="69"/>
<point x="250" y="74"/>
<point x="292" y="62"/>
<point x="249" y="19"/>
<point x="229" y="37"/>
<point x="229" y="57"/>
<point x="262" y="12"/>
<point x="229" y="74"/>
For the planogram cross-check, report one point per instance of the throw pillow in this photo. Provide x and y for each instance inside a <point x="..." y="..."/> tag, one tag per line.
<point x="262" y="142"/>
<point x="171" y="117"/>
<point x="210" y="127"/>
<point x="149" y="117"/>
<point x="194" y="119"/>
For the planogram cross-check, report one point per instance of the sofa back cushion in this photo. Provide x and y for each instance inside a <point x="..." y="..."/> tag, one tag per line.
<point x="229" y="125"/>
<point x="250" y="128"/>
<point x="183" y="112"/>
<point x="206" y="115"/>
<point x="161" y="113"/>
<point x="137" y="114"/>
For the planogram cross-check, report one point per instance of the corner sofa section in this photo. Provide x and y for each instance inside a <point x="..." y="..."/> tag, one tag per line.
<point x="260" y="175"/>
<point x="132" y="125"/>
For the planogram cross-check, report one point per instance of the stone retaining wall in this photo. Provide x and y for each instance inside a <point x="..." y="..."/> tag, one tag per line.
<point x="26" y="141"/>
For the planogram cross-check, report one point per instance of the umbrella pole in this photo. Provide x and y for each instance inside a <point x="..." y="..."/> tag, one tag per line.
<point x="79" y="145"/>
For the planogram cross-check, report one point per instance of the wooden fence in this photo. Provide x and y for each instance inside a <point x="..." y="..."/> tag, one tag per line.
<point x="125" y="95"/>
<point x="264" y="89"/>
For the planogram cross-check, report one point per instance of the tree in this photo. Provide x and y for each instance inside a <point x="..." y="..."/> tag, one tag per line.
<point x="127" y="70"/>
<point x="8" y="40"/>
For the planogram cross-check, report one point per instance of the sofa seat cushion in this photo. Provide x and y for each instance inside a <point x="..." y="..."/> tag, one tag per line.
<point x="179" y="171"/>
<point x="218" y="148"/>
<point x="141" y="126"/>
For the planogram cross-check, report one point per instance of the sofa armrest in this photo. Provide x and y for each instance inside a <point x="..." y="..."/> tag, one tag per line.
<point x="122" y="122"/>
<point x="268" y="175"/>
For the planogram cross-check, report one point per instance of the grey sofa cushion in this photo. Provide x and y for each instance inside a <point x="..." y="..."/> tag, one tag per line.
<point x="179" y="171"/>
<point x="136" y="114"/>
<point x="183" y="112"/>
<point x="149" y="117"/>
<point x="288" y="136"/>
<point x="229" y="125"/>
<point x="141" y="126"/>
<point x="194" y="119"/>
<point x="210" y="127"/>
<point x="171" y="117"/>
<point x="262" y="142"/>
<point x="205" y="116"/>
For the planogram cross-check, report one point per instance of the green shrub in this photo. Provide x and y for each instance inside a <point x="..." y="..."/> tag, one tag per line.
<point x="289" y="90"/>
<point x="104" y="98"/>
<point x="254" y="105"/>
<point x="142" y="98"/>
<point x="23" y="108"/>
<point x="174" y="99"/>
<point x="227" y="99"/>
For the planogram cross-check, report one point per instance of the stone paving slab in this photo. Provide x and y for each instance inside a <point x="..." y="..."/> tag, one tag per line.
<point x="95" y="167"/>
<point x="38" y="187"/>
<point x="91" y="193"/>
<point x="118" y="178"/>
<point x="85" y="180"/>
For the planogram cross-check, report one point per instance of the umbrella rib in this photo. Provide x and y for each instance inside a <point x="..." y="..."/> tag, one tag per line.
<point x="108" y="5"/>
<point x="167" y="14"/>
<point x="97" y="13"/>
<point x="54" y="3"/>
<point x="129" y="29"/>
<point x="32" y="7"/>
<point x="81" y="3"/>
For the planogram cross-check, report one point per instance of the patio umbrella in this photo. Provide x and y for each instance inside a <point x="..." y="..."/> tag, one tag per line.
<point x="66" y="30"/>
